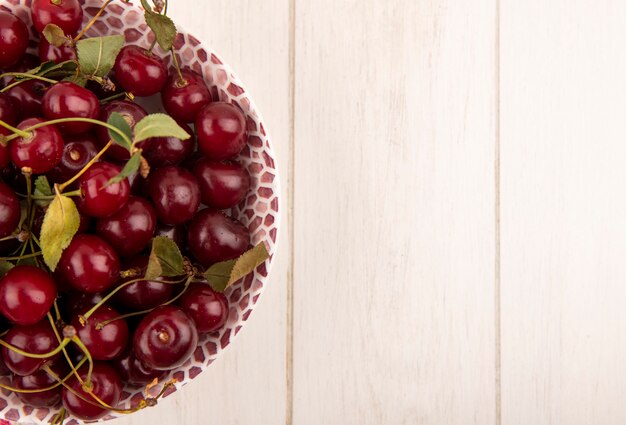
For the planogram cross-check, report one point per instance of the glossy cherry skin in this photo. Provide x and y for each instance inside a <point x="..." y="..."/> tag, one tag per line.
<point x="162" y="151"/>
<point x="184" y="99"/>
<point x="176" y="233"/>
<point x="69" y="100"/>
<point x="40" y="380"/>
<point x="104" y="343"/>
<point x="36" y="339"/>
<point x="67" y="14"/>
<point x="97" y="199"/>
<point x="27" y="97"/>
<point x="9" y="116"/>
<point x="49" y="53"/>
<point x="207" y="308"/>
<point x="165" y="338"/>
<point x="140" y="72"/>
<point x="222" y="184"/>
<point x="214" y="237"/>
<point x="77" y="153"/>
<point x="41" y="151"/>
<point x="26" y="294"/>
<point x="10" y="210"/>
<point x="107" y="386"/>
<point x="130" y="229"/>
<point x="89" y="264"/>
<point x="142" y="295"/>
<point x="131" y="112"/>
<point x="175" y="194"/>
<point x="75" y="303"/>
<point x="13" y="39"/>
<point x="221" y="131"/>
<point x="133" y="372"/>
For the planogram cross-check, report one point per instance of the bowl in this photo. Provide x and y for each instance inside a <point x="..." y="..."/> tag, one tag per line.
<point x="259" y="212"/>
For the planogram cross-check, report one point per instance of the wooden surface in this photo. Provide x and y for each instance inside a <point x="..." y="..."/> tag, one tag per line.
<point x="453" y="248"/>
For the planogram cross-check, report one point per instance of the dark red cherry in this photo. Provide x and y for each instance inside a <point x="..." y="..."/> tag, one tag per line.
<point x="10" y="210"/>
<point x="184" y="99"/>
<point x="130" y="229"/>
<point x="133" y="372"/>
<point x="69" y="100"/>
<point x="162" y="151"/>
<point x="9" y="116"/>
<point x="140" y="72"/>
<point x="41" y="151"/>
<point x="222" y="184"/>
<point x="207" y="308"/>
<point x="13" y="39"/>
<point x="39" y="381"/>
<point x="89" y="264"/>
<point x="176" y="233"/>
<point x="142" y="295"/>
<point x="104" y="341"/>
<point x="214" y="237"/>
<point x="97" y="199"/>
<point x="77" y="153"/>
<point x="49" y="53"/>
<point x="131" y="112"/>
<point x="107" y="386"/>
<point x="175" y="194"/>
<point x="35" y="339"/>
<point x="75" y="303"/>
<point x="27" y="97"/>
<point x="67" y="14"/>
<point x="221" y="130"/>
<point x="165" y="338"/>
<point x="26" y="294"/>
<point x="27" y="63"/>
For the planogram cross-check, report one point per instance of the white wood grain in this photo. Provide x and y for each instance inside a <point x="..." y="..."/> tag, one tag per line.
<point x="394" y="213"/>
<point x="248" y="383"/>
<point x="563" y="212"/>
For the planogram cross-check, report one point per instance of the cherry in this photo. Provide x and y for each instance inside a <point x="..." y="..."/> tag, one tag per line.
<point x="162" y="151"/>
<point x="175" y="194"/>
<point x="27" y="97"/>
<point x="89" y="264"/>
<point x="134" y="372"/>
<point x="77" y="153"/>
<point x="26" y="294"/>
<point x="131" y="112"/>
<point x="10" y="210"/>
<point x="75" y="303"/>
<point x="222" y="184"/>
<point x="13" y="39"/>
<point x="35" y="339"/>
<point x="221" y="130"/>
<point x="27" y="63"/>
<point x="38" y="381"/>
<point x="103" y="342"/>
<point x="184" y="99"/>
<point x="9" y="116"/>
<point x="97" y="199"/>
<point x="144" y="294"/>
<point x="165" y="338"/>
<point x="67" y="14"/>
<point x="69" y="100"/>
<point x="49" y="53"/>
<point x="214" y="237"/>
<point x="41" y="151"/>
<point x="107" y="386"/>
<point x="140" y="72"/>
<point x="207" y="308"/>
<point x="130" y="229"/>
<point x="176" y="233"/>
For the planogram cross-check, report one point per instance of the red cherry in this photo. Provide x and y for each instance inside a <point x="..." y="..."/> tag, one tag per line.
<point x="107" y="386"/>
<point x="103" y="342"/>
<point x="140" y="72"/>
<point x="41" y="151"/>
<point x="10" y="210"/>
<point x="221" y="130"/>
<point x="184" y="99"/>
<point x="142" y="295"/>
<point x="49" y="53"/>
<point x="222" y="184"/>
<point x="77" y="153"/>
<point x="214" y="237"/>
<point x="89" y="264"/>
<point x="67" y="14"/>
<point x="162" y="151"/>
<point x="134" y="372"/>
<point x="69" y="100"/>
<point x="13" y="39"/>
<point x="9" y="116"/>
<point x="130" y="229"/>
<point x="175" y="194"/>
<point x="207" y="308"/>
<point x="27" y="98"/>
<point x="131" y="112"/>
<point x="38" y="381"/>
<point x="97" y="199"/>
<point x="35" y="339"/>
<point x="26" y="294"/>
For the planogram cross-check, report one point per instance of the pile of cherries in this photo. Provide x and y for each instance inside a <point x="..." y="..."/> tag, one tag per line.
<point x="74" y="337"/>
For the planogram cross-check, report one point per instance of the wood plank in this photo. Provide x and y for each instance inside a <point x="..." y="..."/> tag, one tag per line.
<point x="563" y="209"/>
<point x="248" y="383"/>
<point x="394" y="197"/>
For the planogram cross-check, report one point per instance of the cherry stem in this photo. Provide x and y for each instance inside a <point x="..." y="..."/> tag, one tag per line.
<point x="86" y="167"/>
<point x="181" y="80"/>
<point x="8" y="238"/>
<point x="41" y="390"/>
<point x="33" y="355"/>
<point x="92" y="21"/>
<point x="76" y="340"/>
<point x="116" y="96"/>
<point x="26" y="77"/>
<point x="65" y="354"/>
<point x="14" y="130"/>
<point x="59" y="417"/>
<point x="22" y="257"/>
<point x="149" y="51"/>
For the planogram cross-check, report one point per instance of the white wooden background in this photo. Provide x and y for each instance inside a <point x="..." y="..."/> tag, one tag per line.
<point x="454" y="241"/>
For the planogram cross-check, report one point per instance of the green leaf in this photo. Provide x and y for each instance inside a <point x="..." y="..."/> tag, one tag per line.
<point x="60" y="224"/>
<point x="158" y="125"/>
<point x="55" y="35"/>
<point x="165" y="259"/>
<point x="96" y="56"/>
<point x="118" y="121"/>
<point x="131" y="167"/>
<point x="163" y="27"/>
<point x="42" y="188"/>
<point x="5" y="266"/>
<point x="221" y="275"/>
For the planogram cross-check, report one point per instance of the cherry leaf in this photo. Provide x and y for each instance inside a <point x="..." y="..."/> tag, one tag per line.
<point x="222" y="275"/>
<point x="55" y="35"/>
<point x="96" y="56"/>
<point x="165" y="259"/>
<point x="60" y="224"/>
<point x="118" y="121"/>
<point x="158" y="125"/>
<point x="131" y="167"/>
<point x="5" y="266"/>
<point x="42" y="188"/>
<point x="163" y="27"/>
